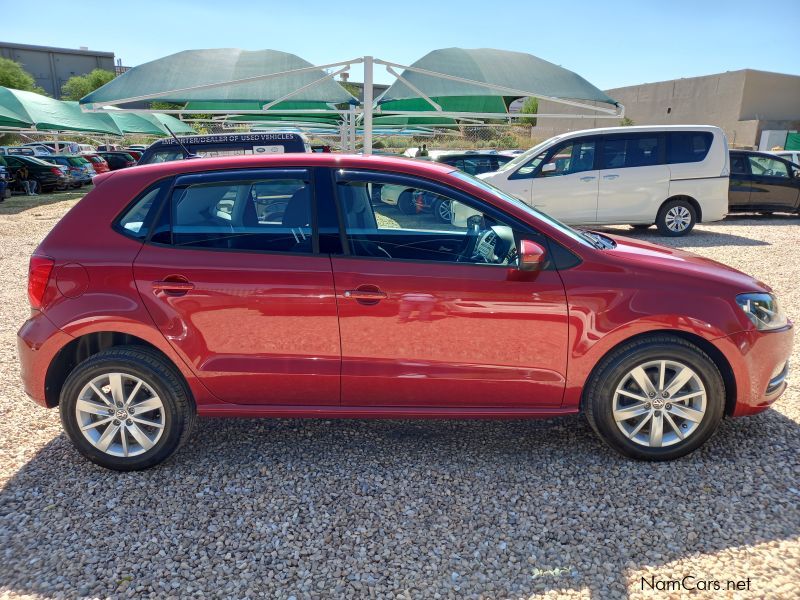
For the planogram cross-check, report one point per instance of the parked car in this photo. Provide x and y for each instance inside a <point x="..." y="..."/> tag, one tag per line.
<point x="80" y="169"/>
<point x="98" y="163"/>
<point x="763" y="182"/>
<point x="39" y="149"/>
<point x="117" y="160"/>
<point x="136" y="154"/>
<point x="138" y="147"/>
<point x="168" y="149"/>
<point x="48" y="176"/>
<point x="673" y="176"/>
<point x="793" y="156"/>
<point x="110" y="148"/>
<point x="16" y="151"/>
<point x="60" y="146"/>
<point x="5" y="180"/>
<point x="268" y="286"/>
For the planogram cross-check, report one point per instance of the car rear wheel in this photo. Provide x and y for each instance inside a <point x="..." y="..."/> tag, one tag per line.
<point x="676" y="218"/>
<point x="126" y="409"/>
<point x="443" y="210"/>
<point x="655" y="399"/>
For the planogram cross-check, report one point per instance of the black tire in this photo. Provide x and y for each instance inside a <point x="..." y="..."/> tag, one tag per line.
<point x="406" y="203"/>
<point x="666" y="227"/>
<point x="161" y="376"/>
<point x="600" y="390"/>
<point x="641" y="226"/>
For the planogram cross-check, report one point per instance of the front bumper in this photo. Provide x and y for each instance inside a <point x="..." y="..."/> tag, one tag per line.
<point x="760" y="363"/>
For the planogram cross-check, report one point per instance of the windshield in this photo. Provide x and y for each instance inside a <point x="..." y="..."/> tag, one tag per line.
<point x="487" y="187"/>
<point x="521" y="159"/>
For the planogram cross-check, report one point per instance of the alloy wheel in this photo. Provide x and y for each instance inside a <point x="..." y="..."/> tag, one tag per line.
<point x="659" y="403"/>
<point x="120" y="414"/>
<point x="678" y="218"/>
<point x="444" y="210"/>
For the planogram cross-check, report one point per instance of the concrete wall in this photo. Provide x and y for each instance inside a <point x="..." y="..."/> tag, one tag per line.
<point x="51" y="67"/>
<point x="742" y="103"/>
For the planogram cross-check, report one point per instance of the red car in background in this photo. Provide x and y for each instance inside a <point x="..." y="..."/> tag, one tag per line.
<point x="98" y="162"/>
<point x="274" y="286"/>
<point x="136" y="154"/>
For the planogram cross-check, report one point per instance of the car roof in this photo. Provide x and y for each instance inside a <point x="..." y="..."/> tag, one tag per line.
<point x="294" y="159"/>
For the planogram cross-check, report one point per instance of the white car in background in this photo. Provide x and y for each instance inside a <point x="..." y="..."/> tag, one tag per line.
<point x="790" y="155"/>
<point x="673" y="176"/>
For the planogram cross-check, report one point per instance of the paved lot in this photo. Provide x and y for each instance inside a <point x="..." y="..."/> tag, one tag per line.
<point x="404" y="509"/>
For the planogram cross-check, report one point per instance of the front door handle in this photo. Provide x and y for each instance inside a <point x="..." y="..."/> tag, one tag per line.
<point x="174" y="285"/>
<point x="366" y="294"/>
<point x="613" y="176"/>
<point x="588" y="178"/>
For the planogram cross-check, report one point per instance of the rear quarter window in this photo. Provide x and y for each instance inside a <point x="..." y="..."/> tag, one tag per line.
<point x="137" y="218"/>
<point x="688" y="146"/>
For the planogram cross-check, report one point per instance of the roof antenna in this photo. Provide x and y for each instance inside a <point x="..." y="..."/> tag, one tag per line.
<point x="186" y="153"/>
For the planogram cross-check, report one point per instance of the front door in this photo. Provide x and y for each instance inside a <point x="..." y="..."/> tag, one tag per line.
<point x="773" y="184"/>
<point x="435" y="315"/>
<point x="233" y="282"/>
<point x="565" y="185"/>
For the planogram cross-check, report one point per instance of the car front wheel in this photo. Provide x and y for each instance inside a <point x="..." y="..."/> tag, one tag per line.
<point x="126" y="409"/>
<point x="655" y="399"/>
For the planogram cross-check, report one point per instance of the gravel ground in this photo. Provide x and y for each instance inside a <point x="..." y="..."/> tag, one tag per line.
<point x="405" y="509"/>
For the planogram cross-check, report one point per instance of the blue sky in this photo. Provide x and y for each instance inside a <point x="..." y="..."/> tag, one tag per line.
<point x="611" y="44"/>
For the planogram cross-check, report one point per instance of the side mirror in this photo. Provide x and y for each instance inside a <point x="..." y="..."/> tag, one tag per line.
<point x="549" y="168"/>
<point x="531" y="256"/>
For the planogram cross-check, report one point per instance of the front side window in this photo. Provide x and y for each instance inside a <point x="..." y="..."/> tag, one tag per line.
<point x="768" y="167"/>
<point x="575" y="157"/>
<point x="271" y="215"/>
<point x="398" y="221"/>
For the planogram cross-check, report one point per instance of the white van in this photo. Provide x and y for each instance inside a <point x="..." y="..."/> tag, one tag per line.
<point x="671" y="175"/>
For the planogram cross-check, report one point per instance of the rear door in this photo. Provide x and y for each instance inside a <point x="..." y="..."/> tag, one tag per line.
<point x="740" y="183"/>
<point x="634" y="179"/>
<point x="774" y="186"/>
<point x="233" y="277"/>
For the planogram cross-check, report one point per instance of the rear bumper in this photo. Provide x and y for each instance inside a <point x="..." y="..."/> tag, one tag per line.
<point x="760" y="362"/>
<point x="38" y="342"/>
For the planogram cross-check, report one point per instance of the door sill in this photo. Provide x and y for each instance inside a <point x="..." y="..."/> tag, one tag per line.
<point x="379" y="412"/>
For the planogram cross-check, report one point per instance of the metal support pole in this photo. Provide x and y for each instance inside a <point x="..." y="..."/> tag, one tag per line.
<point x="368" y="72"/>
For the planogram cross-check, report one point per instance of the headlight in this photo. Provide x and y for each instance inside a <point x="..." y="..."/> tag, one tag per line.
<point x="763" y="311"/>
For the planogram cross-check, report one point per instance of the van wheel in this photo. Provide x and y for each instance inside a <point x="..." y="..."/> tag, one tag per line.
<point x="126" y="409"/>
<point x="676" y="218"/>
<point x="656" y="398"/>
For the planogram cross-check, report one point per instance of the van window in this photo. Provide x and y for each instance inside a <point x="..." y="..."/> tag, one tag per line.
<point x="633" y="151"/>
<point x="688" y="146"/>
<point x="575" y="157"/>
<point x="272" y="215"/>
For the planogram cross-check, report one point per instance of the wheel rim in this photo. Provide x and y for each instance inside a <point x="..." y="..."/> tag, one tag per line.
<point x="678" y="218"/>
<point x="444" y="211"/>
<point x="659" y="403"/>
<point x="120" y="414"/>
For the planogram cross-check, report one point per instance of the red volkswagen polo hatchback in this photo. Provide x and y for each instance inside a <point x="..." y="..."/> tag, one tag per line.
<point x="285" y="286"/>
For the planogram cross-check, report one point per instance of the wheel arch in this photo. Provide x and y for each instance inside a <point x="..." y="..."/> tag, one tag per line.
<point x="692" y="201"/>
<point x="82" y="347"/>
<point x="719" y="359"/>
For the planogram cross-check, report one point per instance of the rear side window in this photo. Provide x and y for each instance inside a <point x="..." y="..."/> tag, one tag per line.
<point x="688" y="146"/>
<point x="634" y="151"/>
<point x="739" y="165"/>
<point x="271" y="215"/>
<point x="137" y="219"/>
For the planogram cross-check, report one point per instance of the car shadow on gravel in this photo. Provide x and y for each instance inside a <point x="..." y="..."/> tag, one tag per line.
<point x="464" y="508"/>
<point x="20" y="203"/>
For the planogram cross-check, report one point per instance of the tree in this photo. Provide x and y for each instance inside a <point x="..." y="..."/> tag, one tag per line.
<point x="626" y="122"/>
<point x="12" y="75"/>
<point x="79" y="86"/>
<point x="529" y="107"/>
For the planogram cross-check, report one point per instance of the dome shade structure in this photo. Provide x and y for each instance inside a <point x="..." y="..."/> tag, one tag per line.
<point x="222" y="76"/>
<point x="485" y="81"/>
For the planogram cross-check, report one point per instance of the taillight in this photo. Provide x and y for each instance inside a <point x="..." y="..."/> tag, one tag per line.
<point x="56" y="171"/>
<point x="39" y="270"/>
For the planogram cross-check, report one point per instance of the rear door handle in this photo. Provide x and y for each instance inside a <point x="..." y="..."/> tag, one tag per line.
<point x="610" y="176"/>
<point x="173" y="285"/>
<point x="365" y="294"/>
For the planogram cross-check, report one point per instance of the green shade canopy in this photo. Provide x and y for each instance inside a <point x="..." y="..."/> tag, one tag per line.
<point x="168" y="79"/>
<point x="47" y="114"/>
<point x="176" y="125"/>
<point x="512" y="70"/>
<point x="145" y="123"/>
<point x="9" y="118"/>
<point x="405" y="120"/>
